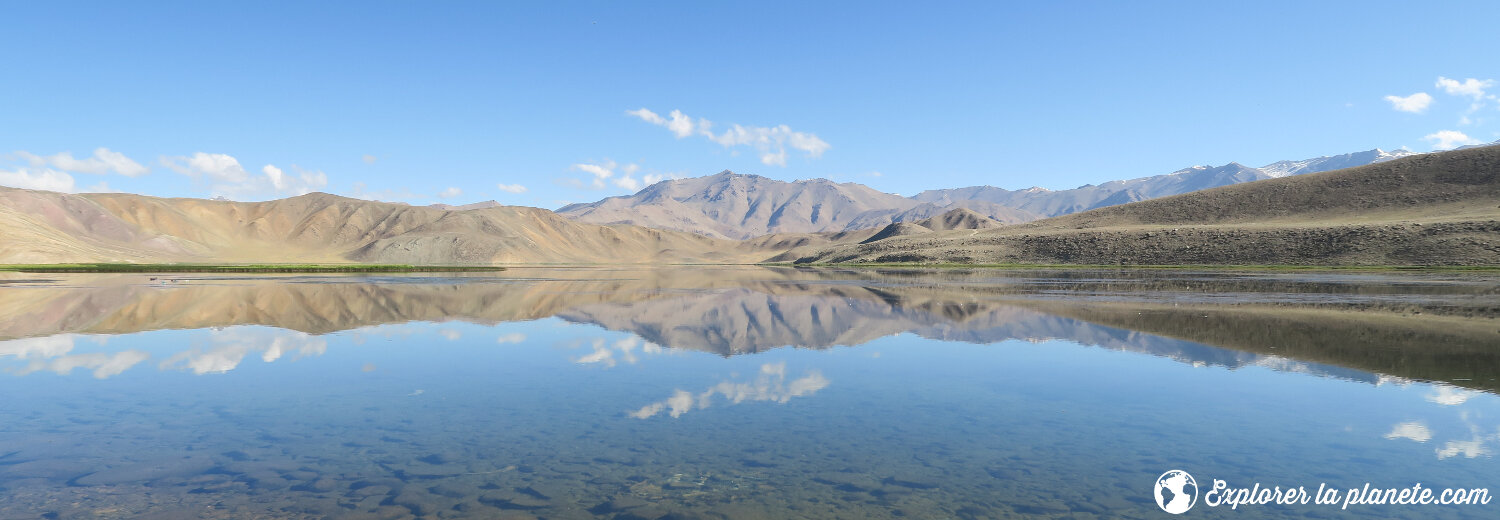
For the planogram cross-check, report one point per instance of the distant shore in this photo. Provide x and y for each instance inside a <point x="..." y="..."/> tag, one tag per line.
<point x="243" y="268"/>
<point x="1188" y="267"/>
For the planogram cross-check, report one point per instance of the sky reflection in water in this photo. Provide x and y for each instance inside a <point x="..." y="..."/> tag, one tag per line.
<point x="738" y="392"/>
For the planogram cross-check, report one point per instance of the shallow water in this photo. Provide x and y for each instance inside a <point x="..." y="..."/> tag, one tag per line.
<point x="739" y="393"/>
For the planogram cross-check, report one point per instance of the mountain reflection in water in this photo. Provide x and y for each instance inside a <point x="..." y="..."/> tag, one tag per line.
<point x="736" y="392"/>
<point x="1370" y="328"/>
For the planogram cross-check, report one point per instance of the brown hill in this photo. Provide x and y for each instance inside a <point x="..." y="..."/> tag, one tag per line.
<point x="896" y="229"/>
<point x="961" y="218"/>
<point x="47" y="227"/>
<point x="1431" y="209"/>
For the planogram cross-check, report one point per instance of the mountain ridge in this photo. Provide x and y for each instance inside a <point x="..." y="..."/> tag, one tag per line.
<point x="809" y="221"/>
<point x="743" y="206"/>
<point x="50" y="227"/>
<point x="1428" y="209"/>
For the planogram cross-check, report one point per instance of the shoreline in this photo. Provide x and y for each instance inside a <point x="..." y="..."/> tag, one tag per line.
<point x="1205" y="267"/>
<point x="405" y="268"/>
<point x="242" y="268"/>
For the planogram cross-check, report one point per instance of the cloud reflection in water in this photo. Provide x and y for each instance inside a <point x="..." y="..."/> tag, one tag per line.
<point x="769" y="385"/>
<point x="51" y="354"/>
<point x="233" y="344"/>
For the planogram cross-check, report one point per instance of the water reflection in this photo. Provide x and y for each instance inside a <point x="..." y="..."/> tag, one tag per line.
<point x="51" y="353"/>
<point x="735" y="393"/>
<point x="1416" y="431"/>
<point x="1363" y="327"/>
<point x="607" y="354"/>
<point x="231" y="345"/>
<point x="769" y="385"/>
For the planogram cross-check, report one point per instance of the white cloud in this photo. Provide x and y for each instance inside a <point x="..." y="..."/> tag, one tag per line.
<point x="37" y="348"/>
<point x="627" y="180"/>
<point x="681" y="125"/>
<point x="103" y="162"/>
<point x="103" y="365"/>
<point x="278" y="178"/>
<point x="450" y="193"/>
<point x="771" y="142"/>
<point x="777" y="158"/>
<point x="231" y="345"/>
<point x="1415" y="103"/>
<point x="451" y="334"/>
<point x="629" y="183"/>
<point x="771" y="385"/>
<point x="51" y="354"/>
<point x="604" y="353"/>
<point x="1449" y="396"/>
<point x="511" y="188"/>
<point x="604" y="175"/>
<point x="600" y="171"/>
<point x="1449" y="139"/>
<point x="514" y="337"/>
<point x="1472" y="88"/>
<point x="272" y="181"/>
<point x="604" y="356"/>
<point x="647" y="116"/>
<point x="1410" y="430"/>
<point x="368" y="159"/>
<point x="653" y="178"/>
<point x="216" y="166"/>
<point x="1469" y="449"/>
<point x="37" y="179"/>
<point x="305" y="182"/>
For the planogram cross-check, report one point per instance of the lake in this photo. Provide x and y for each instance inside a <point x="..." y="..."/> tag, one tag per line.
<point x="743" y="392"/>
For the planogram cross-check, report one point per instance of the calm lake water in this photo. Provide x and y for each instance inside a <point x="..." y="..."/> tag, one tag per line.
<point x="740" y="393"/>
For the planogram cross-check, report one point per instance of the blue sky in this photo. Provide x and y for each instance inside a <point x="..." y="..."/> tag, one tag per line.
<point x="462" y="102"/>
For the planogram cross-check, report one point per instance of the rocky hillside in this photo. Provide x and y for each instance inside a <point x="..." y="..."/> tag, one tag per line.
<point x="1431" y="209"/>
<point x="47" y="227"/>
<point x="730" y="205"/>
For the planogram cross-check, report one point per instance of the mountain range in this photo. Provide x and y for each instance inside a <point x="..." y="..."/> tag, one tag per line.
<point x="734" y="206"/>
<point x="1428" y="209"/>
<point x="49" y="227"/>
<point x="732" y="218"/>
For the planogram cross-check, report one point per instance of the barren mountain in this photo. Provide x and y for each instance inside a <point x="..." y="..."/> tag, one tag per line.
<point x="1430" y="209"/>
<point x="1371" y="217"/>
<point x="1335" y="162"/>
<point x="47" y="227"/>
<point x="1049" y="203"/>
<point x="742" y="206"/>
<point x="730" y="205"/>
<point x="961" y="218"/>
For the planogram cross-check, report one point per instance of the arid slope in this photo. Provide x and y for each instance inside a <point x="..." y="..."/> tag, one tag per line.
<point x="1431" y="209"/>
<point x="47" y="227"/>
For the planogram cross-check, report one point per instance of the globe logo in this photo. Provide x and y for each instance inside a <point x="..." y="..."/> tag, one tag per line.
<point x="1176" y="491"/>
